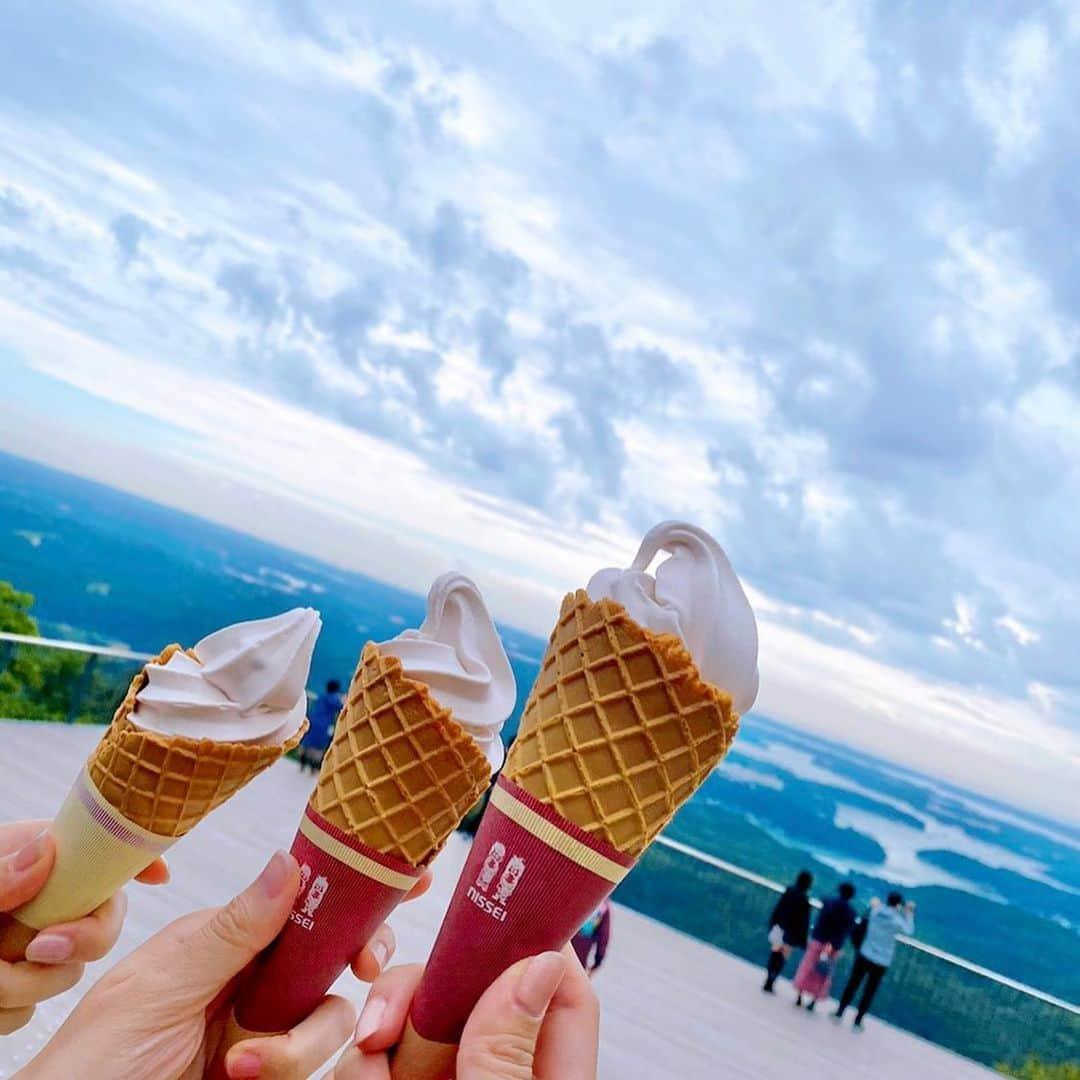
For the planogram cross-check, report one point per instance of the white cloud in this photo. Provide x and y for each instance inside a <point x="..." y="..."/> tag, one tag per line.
<point x="1024" y="635"/>
<point x="1045" y="697"/>
<point x="1007" y="89"/>
<point x="965" y="623"/>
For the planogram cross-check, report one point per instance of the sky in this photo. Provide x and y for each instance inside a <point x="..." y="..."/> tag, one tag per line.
<point x="500" y="285"/>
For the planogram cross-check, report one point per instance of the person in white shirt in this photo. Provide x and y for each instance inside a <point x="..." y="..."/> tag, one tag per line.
<point x="876" y="951"/>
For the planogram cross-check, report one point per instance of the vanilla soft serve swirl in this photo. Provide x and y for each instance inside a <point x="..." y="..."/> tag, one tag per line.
<point x="696" y="596"/>
<point x="245" y="684"/>
<point x="457" y="653"/>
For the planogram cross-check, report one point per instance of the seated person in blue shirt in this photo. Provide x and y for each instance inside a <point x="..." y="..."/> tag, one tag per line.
<point x="321" y="721"/>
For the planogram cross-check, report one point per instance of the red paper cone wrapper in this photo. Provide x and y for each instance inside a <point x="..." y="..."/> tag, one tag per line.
<point x="531" y="880"/>
<point x="346" y="892"/>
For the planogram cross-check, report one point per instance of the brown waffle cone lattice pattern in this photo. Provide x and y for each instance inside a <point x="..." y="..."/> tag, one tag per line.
<point x="168" y="783"/>
<point x="400" y="773"/>
<point x="620" y="729"/>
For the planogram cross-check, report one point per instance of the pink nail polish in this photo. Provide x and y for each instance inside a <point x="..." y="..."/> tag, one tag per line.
<point x="244" y="1066"/>
<point x="381" y="953"/>
<point x="50" y="949"/>
<point x="369" y="1020"/>
<point x="275" y="875"/>
<point x="29" y="853"/>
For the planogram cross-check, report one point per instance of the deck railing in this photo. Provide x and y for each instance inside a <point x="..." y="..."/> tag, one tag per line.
<point x="928" y="991"/>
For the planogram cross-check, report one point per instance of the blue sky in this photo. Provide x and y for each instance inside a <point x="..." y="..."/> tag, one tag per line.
<point x="501" y="285"/>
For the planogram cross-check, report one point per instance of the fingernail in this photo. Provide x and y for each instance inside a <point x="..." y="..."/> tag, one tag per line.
<point x="50" y="949"/>
<point x="369" y="1020"/>
<point x="538" y="983"/>
<point x="380" y="952"/>
<point x="29" y="854"/>
<point x="244" y="1065"/>
<point x="274" y="878"/>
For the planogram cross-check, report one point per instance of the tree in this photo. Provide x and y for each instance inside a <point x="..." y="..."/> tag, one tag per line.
<point x="37" y="683"/>
<point x="1034" y="1069"/>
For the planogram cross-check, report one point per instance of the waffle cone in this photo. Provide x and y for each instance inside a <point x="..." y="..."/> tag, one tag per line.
<point x="400" y="773"/>
<point x="169" y="783"/>
<point x="620" y="729"/>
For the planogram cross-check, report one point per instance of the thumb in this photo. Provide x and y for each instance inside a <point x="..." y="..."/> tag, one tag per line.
<point x="499" y="1041"/>
<point x="235" y="934"/>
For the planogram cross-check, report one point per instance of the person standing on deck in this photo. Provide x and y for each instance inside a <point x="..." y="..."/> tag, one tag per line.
<point x="591" y="941"/>
<point x="831" y="930"/>
<point x="876" y="951"/>
<point x="789" y="926"/>
<point x="321" y="721"/>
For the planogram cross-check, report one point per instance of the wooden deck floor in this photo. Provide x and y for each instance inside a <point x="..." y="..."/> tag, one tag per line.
<point x="671" y="1006"/>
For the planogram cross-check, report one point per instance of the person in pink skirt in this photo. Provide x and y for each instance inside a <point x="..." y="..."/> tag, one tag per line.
<point x="831" y="929"/>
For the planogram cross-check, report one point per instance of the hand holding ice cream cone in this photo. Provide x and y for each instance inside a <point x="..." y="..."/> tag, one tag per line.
<point x="539" y="1018"/>
<point x="159" y="1011"/>
<point x="194" y="728"/>
<point x="56" y="955"/>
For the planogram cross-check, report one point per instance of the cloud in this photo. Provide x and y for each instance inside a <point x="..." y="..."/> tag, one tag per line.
<point x="1007" y="94"/>
<point x="800" y="277"/>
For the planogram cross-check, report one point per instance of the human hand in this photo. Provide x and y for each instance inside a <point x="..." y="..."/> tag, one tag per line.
<point x="162" y="1010"/>
<point x="56" y="955"/>
<point x="540" y="1019"/>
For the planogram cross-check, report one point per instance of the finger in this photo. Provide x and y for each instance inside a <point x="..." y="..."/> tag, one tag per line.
<point x="25" y="868"/>
<point x="157" y="873"/>
<point x="13" y="1019"/>
<point x="298" y="1053"/>
<point x="354" y="1064"/>
<point x="369" y="962"/>
<point x="499" y="1040"/>
<point x="234" y="935"/>
<point x="569" y="1044"/>
<point x="87" y="939"/>
<point x="26" y="984"/>
<point x="382" y="1020"/>
<point x="423" y="883"/>
<point x="14" y="834"/>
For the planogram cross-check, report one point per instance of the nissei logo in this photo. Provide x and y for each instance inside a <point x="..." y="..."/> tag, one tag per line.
<point x="495" y="904"/>
<point x="308" y="903"/>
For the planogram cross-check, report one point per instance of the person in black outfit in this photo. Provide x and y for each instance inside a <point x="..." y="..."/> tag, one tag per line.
<point x="789" y="925"/>
<point x="831" y="929"/>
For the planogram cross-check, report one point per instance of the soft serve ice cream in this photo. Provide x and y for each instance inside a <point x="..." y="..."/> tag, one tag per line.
<point x="245" y="684"/>
<point x="458" y="654"/>
<point x="696" y="596"/>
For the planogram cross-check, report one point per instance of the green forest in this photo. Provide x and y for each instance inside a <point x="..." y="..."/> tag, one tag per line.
<point x="52" y="684"/>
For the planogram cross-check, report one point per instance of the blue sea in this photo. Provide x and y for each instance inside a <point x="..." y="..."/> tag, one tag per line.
<point x="110" y="568"/>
